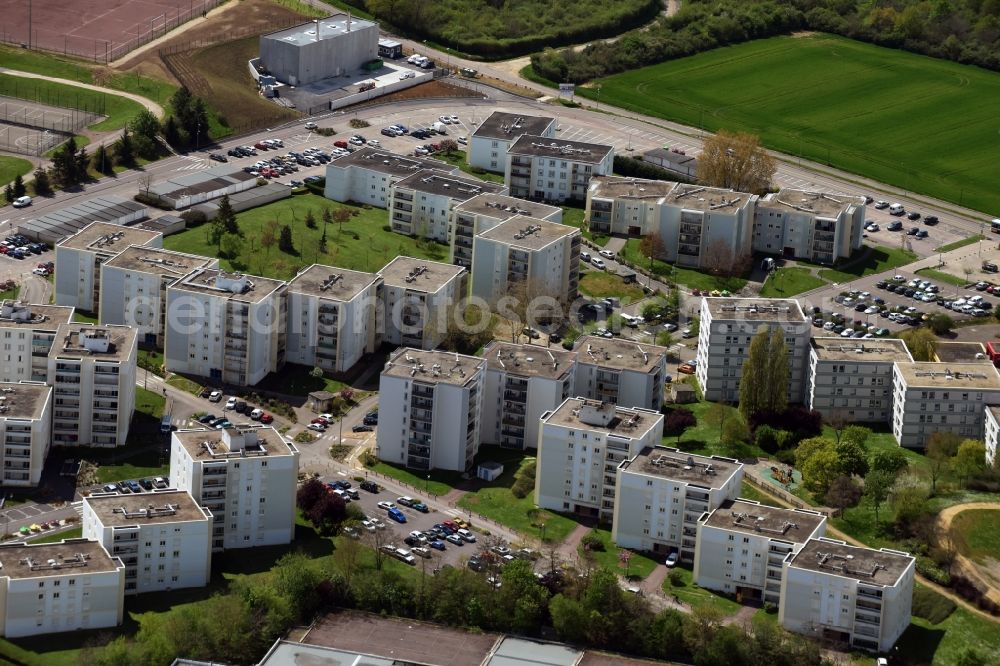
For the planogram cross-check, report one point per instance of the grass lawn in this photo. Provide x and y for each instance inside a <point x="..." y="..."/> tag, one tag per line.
<point x="185" y="384"/>
<point x="689" y="277"/>
<point x="689" y="593"/>
<point x="977" y="532"/>
<point x="118" y="110"/>
<point x="599" y="284"/>
<point x="751" y="493"/>
<point x="296" y="379"/>
<point x="786" y="282"/>
<point x="364" y="245"/>
<point x="879" y="112"/>
<point x="942" y="644"/>
<point x="574" y="217"/>
<point x="940" y="276"/>
<point x="874" y="260"/>
<point x="84" y="317"/>
<point x="440" y="483"/>
<point x="10" y="293"/>
<point x="639" y="565"/>
<point x="11" y="167"/>
<point x="458" y="158"/>
<point x="152" y="360"/>
<point x="961" y="243"/>
<point x="55" y="537"/>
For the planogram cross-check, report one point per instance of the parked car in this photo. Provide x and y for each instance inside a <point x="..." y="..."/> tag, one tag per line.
<point x="362" y="428"/>
<point x="672" y="560"/>
<point x="455" y="539"/>
<point x="370" y="486"/>
<point x="215" y="396"/>
<point x="318" y="427"/>
<point x="397" y="515"/>
<point x="266" y="418"/>
<point x="218" y="157"/>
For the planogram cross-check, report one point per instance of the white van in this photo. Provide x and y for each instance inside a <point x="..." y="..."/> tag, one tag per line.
<point x="896" y="209"/>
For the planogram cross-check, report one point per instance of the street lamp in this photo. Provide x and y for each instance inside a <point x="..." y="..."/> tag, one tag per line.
<point x="427" y="483"/>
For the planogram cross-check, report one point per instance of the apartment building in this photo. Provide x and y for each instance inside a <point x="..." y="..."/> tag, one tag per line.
<point x="244" y="475"/>
<point x="134" y="288"/>
<point x="546" y="169"/>
<point x="741" y="547"/>
<point x="421" y="204"/>
<point x="26" y="335"/>
<point x="79" y="258"/>
<point x="620" y="371"/>
<point x="580" y="445"/>
<point x="483" y="212"/>
<point x="527" y="258"/>
<point x="939" y="397"/>
<point x="724" y="334"/>
<point x="625" y="206"/>
<point x="418" y="299"/>
<point x="229" y="327"/>
<point x="58" y="587"/>
<point x="25" y="431"/>
<point x="991" y="433"/>
<point x="92" y="375"/>
<point x="522" y="383"/>
<point x="662" y="493"/>
<point x="489" y="144"/>
<point x="367" y="175"/>
<point x="859" y="597"/>
<point x="815" y="226"/>
<point x="429" y="409"/>
<point x="851" y="380"/>
<point x="334" y="317"/>
<point x="163" y="538"/>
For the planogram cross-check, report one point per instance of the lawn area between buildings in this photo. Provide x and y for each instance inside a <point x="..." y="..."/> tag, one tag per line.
<point x="689" y="277"/>
<point x="295" y="379"/>
<point x="942" y="644"/>
<point x="872" y="260"/>
<point x="364" y="244"/>
<point x="790" y="281"/>
<point x="574" y="217"/>
<point x="689" y="593"/>
<point x="185" y="384"/>
<point x="458" y="158"/>
<point x="11" y="168"/>
<point x="441" y="482"/>
<point x="84" y="317"/>
<point x="56" y="537"/>
<point x="639" y="565"/>
<point x="598" y="284"/>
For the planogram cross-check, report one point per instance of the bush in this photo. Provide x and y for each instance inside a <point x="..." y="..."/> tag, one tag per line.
<point x="193" y="218"/>
<point x="786" y="456"/>
<point x="931" y="606"/>
<point x="592" y="542"/>
<point x="771" y="439"/>
<point x="151" y="200"/>
<point x="676" y="578"/>
<point x="325" y="131"/>
<point x="358" y="123"/>
<point x="522" y="487"/>
<point x="930" y="570"/>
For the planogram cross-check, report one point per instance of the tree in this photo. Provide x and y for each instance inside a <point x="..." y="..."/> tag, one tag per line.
<point x="227" y="217"/>
<point x="340" y="215"/>
<point x="664" y="339"/>
<point x="764" y="379"/>
<point x="230" y="245"/>
<point x="310" y="220"/>
<point x="124" y="151"/>
<point x="309" y="494"/>
<point x="101" y="161"/>
<point x="921" y="343"/>
<point x="41" y="184"/>
<point x="941" y="448"/>
<point x="777" y="373"/>
<point x="285" y="240"/>
<point x="735" y="161"/>
<point x="678" y="420"/>
<point x="970" y="459"/>
<point x="843" y="493"/>
<point x="941" y="324"/>
<point x="852" y="455"/>
<point x="878" y="484"/>
<point x="316" y="372"/>
<point x="145" y="129"/>
<point x="8" y="193"/>
<point x="652" y="246"/>
<point x="468" y="329"/>
<point x="269" y="236"/>
<point x="172" y="133"/>
<point x="821" y="468"/>
<point x="19" y="189"/>
<point x="889" y="461"/>
<point x="327" y="514"/>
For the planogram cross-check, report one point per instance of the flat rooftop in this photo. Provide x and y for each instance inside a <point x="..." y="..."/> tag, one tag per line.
<point x="630" y="188"/>
<point x="66" y="558"/>
<point x="604" y="417"/>
<point x="519" y="651"/>
<point x="166" y="506"/>
<point x="336" y="284"/>
<point x="960" y="352"/>
<point x="793" y="525"/>
<point x="109" y="239"/>
<point x="99" y="342"/>
<point x="756" y="309"/>
<point x="288" y="653"/>
<point x="23" y="401"/>
<point x="528" y="360"/>
<point x="19" y="314"/>
<point x="237" y="286"/>
<point x="449" y="185"/>
<point x="884" y="350"/>
<point x="433" y="367"/>
<point x="418" y="274"/>
<point x="528" y="233"/>
<point x="813" y="203"/>
<point x="866" y="565"/>
<point x="502" y="206"/>
<point x="388" y="163"/>
<point x="670" y="463"/>
<point x="508" y="126"/>
<point x="957" y="376"/>
<point x="708" y="199"/>
<point x="619" y="353"/>
<point x="330" y="27"/>
<point x="205" y="444"/>
<point x="571" y="151"/>
<point x="165" y="263"/>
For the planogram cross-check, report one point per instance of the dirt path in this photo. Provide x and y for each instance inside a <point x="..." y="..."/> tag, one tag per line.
<point x="155" y="108"/>
<point x="126" y="60"/>
<point x="966" y="566"/>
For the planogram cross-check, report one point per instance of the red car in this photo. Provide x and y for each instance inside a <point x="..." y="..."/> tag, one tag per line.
<point x="320" y="421"/>
<point x="266" y="418"/>
<point x="261" y="146"/>
<point x="340" y="144"/>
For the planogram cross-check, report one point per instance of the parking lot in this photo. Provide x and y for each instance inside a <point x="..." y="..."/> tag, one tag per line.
<point x="938" y="234"/>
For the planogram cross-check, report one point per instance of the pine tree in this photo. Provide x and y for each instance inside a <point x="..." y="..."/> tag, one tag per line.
<point x="172" y="133"/>
<point x="227" y="217"/>
<point x="322" y="241"/>
<point x="776" y="385"/>
<point x="81" y="161"/>
<point x="19" y="188"/>
<point x="310" y="220"/>
<point x="101" y="161"/>
<point x="753" y="375"/>
<point x="41" y="184"/>
<point x="8" y="193"/>
<point x="124" y="152"/>
<point x="285" y="240"/>
<point x="199" y="118"/>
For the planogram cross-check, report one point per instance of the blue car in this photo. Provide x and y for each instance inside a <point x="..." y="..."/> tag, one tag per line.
<point x="437" y="544"/>
<point x="397" y="515"/>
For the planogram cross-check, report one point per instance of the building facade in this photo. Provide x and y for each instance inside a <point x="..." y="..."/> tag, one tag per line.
<point x="418" y="299"/>
<point x="490" y="142"/>
<point x="545" y="169"/>
<point x="486" y="211"/>
<point x="320" y="49"/>
<point x="367" y="175"/>
<point x="815" y="226"/>
<point x="27" y="332"/>
<point x="421" y="204"/>
<point x="851" y="380"/>
<point x="619" y="371"/>
<point x="25" y="432"/>
<point x="991" y="433"/>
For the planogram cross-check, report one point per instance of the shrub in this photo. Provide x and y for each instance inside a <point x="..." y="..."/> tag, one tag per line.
<point x="786" y="456"/>
<point x="387" y="227"/>
<point x="325" y="131"/>
<point x="592" y="542"/>
<point x="358" y="123"/>
<point x="770" y="439"/>
<point x="193" y="218"/>
<point x="930" y="570"/>
<point x="931" y="606"/>
<point x="522" y="487"/>
<point x="676" y="578"/>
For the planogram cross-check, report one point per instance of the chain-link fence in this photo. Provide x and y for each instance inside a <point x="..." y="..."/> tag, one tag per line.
<point x="30" y="128"/>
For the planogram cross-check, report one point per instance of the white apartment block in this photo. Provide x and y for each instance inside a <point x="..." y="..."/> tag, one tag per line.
<point x="79" y="258"/>
<point x="58" y="587"/>
<point x="489" y="144"/>
<point x="483" y="212"/>
<point x="228" y="327"/>
<point x="522" y="383"/>
<point x="620" y="371"/>
<point x="851" y="380"/>
<point x="626" y="206"/>
<point x="25" y="432"/>
<point x="662" y="492"/>
<point x="246" y="476"/>
<point x="134" y="288"/>
<point x="991" y="433"/>
<point x="429" y="409"/>
<point x="367" y="175"/>
<point x="859" y="597"/>
<point x="26" y="335"/>
<point x="815" y="226"/>
<point x="742" y="545"/>
<point x="726" y="328"/>
<point x="92" y="374"/>
<point x="547" y="169"/>
<point x="421" y="204"/>
<point x="527" y="258"/>
<point x="163" y="538"/>
<point x="418" y="296"/>
<point x="580" y="445"/>
<point x="334" y="317"/>
<point x="941" y="397"/>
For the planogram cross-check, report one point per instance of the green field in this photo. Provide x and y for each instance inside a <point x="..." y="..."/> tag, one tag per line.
<point x="977" y="532"/>
<point x="55" y="537"/>
<point x="941" y="276"/>
<point x="786" y="282"/>
<point x="10" y="167"/>
<point x="598" y="284"/>
<point x="915" y="122"/>
<point x="639" y="565"/>
<point x="689" y="277"/>
<point x="869" y="261"/>
<point x="961" y="243"/>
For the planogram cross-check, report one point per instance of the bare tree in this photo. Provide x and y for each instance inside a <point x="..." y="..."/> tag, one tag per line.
<point x="736" y="161"/>
<point x="378" y="538"/>
<point x="145" y="182"/>
<point x="652" y="246"/>
<point x="527" y="303"/>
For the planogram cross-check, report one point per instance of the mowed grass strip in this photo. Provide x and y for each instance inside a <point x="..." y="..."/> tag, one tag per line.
<point x="599" y="284"/>
<point x="10" y="167"/>
<point x="786" y="282"/>
<point x="915" y="122"/>
<point x="977" y="533"/>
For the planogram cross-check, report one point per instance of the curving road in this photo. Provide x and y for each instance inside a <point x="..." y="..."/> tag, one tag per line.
<point x="968" y="567"/>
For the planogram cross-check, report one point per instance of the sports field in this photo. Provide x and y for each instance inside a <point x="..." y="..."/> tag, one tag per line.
<point x="919" y="123"/>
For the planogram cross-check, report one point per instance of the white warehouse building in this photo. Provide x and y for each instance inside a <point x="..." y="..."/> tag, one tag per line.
<point x="489" y="144"/>
<point x="328" y="47"/>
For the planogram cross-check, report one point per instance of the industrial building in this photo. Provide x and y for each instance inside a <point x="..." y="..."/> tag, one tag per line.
<point x="545" y="169"/>
<point x="324" y="48"/>
<point x="53" y="227"/>
<point x="197" y="187"/>
<point x="486" y="211"/>
<point x="489" y="144"/>
<point x="25" y="432"/>
<point x="623" y="372"/>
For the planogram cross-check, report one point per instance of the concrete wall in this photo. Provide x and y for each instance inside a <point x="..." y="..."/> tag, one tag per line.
<point x="379" y="90"/>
